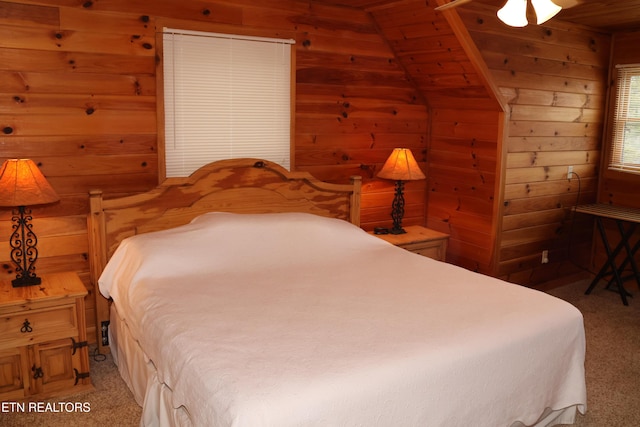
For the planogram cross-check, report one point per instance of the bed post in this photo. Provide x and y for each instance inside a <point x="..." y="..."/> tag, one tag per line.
<point x="97" y="262"/>
<point x="354" y="209"/>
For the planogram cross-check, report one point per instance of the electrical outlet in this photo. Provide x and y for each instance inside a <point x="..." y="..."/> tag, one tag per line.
<point x="569" y="173"/>
<point x="545" y="257"/>
<point x="105" y="332"/>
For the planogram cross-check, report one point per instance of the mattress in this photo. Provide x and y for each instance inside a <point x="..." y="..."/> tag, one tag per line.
<point x="300" y="320"/>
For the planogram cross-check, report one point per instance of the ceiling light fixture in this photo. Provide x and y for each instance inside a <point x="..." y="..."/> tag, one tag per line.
<point x="545" y="10"/>
<point x="514" y="12"/>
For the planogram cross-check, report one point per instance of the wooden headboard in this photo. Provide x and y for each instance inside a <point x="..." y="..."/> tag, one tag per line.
<point x="238" y="186"/>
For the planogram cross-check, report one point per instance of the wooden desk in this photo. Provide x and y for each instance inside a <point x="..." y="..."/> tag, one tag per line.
<point x="627" y="220"/>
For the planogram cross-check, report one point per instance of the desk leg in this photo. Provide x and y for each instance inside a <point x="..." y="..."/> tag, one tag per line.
<point x="631" y="252"/>
<point x="611" y="262"/>
<point x="636" y="271"/>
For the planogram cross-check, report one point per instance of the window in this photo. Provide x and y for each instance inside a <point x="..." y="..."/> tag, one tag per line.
<point x="625" y="145"/>
<point x="225" y="97"/>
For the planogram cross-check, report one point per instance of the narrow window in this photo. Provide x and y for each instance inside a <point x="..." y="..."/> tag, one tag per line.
<point x="625" y="145"/>
<point x="225" y="96"/>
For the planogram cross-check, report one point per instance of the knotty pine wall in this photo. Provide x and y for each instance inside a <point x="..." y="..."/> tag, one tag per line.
<point x="78" y="95"/>
<point x="620" y="189"/>
<point x="553" y="77"/>
<point x="465" y="126"/>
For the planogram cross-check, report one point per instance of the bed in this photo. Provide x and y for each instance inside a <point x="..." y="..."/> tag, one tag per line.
<point x="246" y="295"/>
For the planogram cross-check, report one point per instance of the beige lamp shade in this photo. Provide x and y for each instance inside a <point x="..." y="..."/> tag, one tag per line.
<point x="22" y="184"/>
<point x="401" y="166"/>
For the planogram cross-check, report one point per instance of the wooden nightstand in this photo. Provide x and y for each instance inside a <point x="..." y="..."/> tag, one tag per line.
<point x="421" y="240"/>
<point x="43" y="339"/>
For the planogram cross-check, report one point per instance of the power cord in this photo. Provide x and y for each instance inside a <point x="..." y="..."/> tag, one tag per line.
<point x="572" y="223"/>
<point x="97" y="356"/>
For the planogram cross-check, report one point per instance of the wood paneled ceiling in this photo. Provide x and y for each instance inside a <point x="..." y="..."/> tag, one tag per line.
<point x="607" y="15"/>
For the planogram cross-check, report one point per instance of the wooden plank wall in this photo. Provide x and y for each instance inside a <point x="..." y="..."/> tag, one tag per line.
<point x="553" y="77"/>
<point x="462" y="184"/>
<point x="620" y="189"/>
<point x="78" y="95"/>
<point x="464" y="128"/>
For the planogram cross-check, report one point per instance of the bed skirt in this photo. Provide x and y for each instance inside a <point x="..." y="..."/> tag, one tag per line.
<point x="139" y="373"/>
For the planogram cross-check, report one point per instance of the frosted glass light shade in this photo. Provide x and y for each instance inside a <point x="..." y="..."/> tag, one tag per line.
<point x="514" y="13"/>
<point x="545" y="10"/>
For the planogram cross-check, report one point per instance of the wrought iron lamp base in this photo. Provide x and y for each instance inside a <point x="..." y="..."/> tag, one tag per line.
<point x="397" y="209"/>
<point x="24" y="251"/>
<point x="397" y="231"/>
<point x="26" y="281"/>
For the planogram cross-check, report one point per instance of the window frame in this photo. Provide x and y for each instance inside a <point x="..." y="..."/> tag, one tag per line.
<point x="609" y="167"/>
<point x="160" y="93"/>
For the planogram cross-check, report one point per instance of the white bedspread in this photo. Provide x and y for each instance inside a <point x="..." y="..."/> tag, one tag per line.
<point x="298" y="320"/>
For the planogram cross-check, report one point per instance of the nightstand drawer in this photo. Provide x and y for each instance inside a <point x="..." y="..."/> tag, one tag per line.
<point x="436" y="250"/>
<point x="26" y="327"/>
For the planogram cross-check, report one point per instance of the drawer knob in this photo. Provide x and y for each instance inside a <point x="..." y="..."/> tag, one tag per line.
<point x="37" y="372"/>
<point x="26" y="327"/>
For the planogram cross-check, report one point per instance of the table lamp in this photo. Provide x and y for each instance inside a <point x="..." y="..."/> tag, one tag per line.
<point x="400" y="166"/>
<point x="21" y="185"/>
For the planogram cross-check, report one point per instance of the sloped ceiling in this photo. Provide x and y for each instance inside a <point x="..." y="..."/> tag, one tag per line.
<point x="609" y="15"/>
<point x="442" y="66"/>
<point x="434" y="51"/>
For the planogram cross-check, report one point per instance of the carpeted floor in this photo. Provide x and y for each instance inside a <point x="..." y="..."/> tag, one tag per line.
<point x="612" y="366"/>
<point x="109" y="404"/>
<point x="613" y="354"/>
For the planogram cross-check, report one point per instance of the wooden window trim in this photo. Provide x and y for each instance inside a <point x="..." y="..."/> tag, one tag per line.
<point x="612" y="136"/>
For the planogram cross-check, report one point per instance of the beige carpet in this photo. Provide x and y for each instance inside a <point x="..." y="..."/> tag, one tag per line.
<point x="613" y="354"/>
<point x="613" y="371"/>
<point x="110" y="404"/>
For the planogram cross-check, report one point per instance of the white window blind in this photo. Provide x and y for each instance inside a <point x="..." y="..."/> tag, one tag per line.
<point x="225" y="97"/>
<point x="625" y="145"/>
